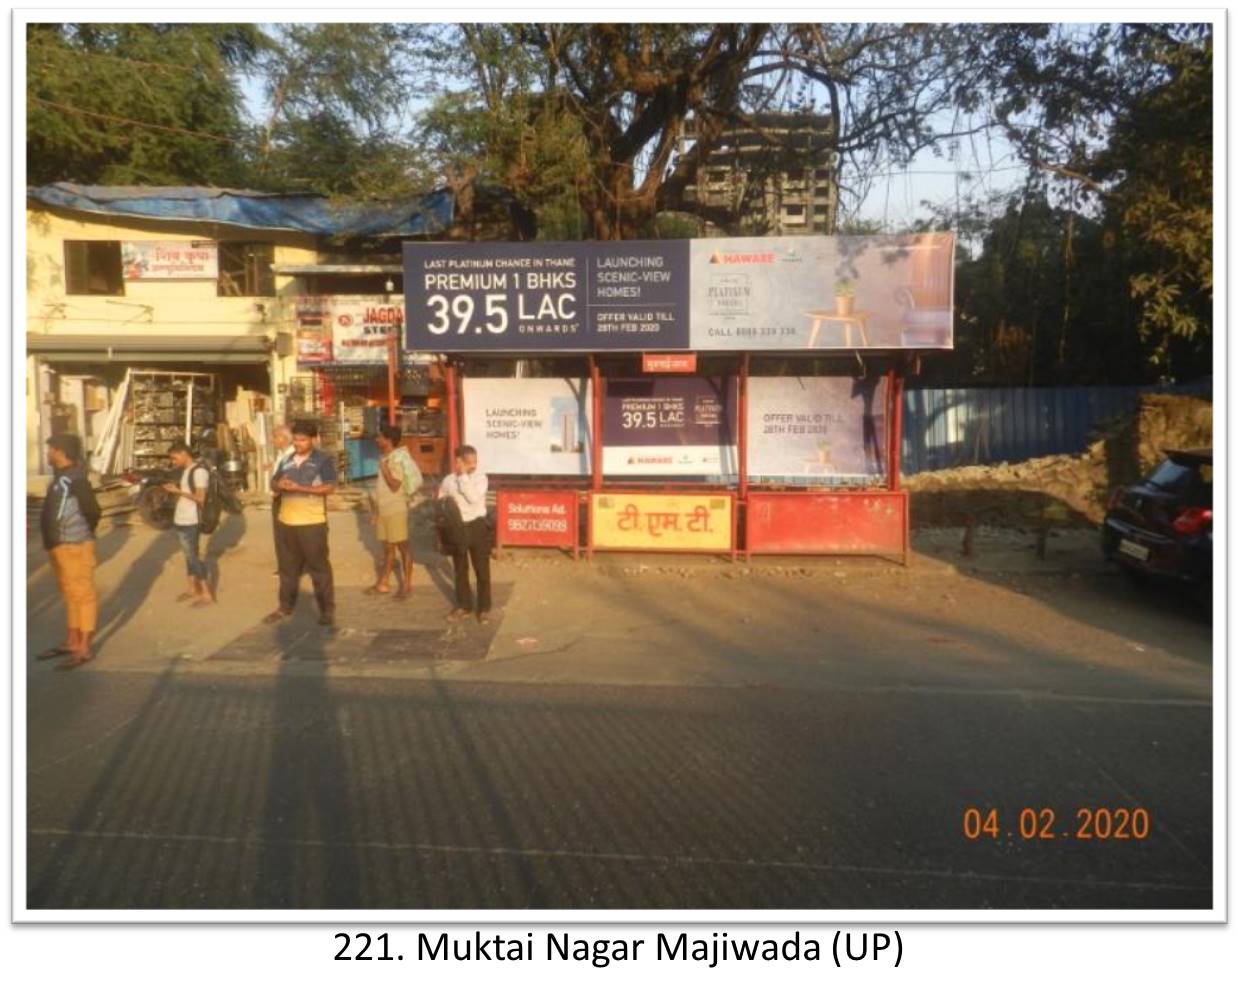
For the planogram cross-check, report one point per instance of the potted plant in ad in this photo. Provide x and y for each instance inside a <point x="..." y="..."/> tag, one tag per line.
<point x="844" y="297"/>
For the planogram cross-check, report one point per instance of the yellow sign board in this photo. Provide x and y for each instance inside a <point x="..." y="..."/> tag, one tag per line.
<point x="660" y="521"/>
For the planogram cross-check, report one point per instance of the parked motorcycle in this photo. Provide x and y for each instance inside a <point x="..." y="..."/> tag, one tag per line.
<point x="156" y="506"/>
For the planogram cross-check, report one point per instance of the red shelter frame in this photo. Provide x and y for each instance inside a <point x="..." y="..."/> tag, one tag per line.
<point x="766" y="519"/>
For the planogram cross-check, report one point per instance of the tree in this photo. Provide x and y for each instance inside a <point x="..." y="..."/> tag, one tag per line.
<point x="622" y="95"/>
<point x="137" y="103"/>
<point x="338" y="112"/>
<point x="1118" y="121"/>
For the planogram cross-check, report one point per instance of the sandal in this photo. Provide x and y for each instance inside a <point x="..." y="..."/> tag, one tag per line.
<point x="51" y="653"/>
<point x="76" y="662"/>
<point x="375" y="590"/>
<point x="401" y="596"/>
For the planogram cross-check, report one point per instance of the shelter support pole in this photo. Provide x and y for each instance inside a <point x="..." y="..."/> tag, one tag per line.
<point x="743" y="428"/>
<point x="393" y="371"/>
<point x="742" y="497"/>
<point x="894" y="399"/>
<point x="896" y="432"/>
<point x="595" y="439"/>
<point x="453" y="424"/>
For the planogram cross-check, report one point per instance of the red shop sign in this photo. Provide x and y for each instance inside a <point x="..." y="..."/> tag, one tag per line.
<point x="668" y="363"/>
<point x="538" y="518"/>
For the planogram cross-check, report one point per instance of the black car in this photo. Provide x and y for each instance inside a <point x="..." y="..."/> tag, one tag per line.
<point x="1162" y="526"/>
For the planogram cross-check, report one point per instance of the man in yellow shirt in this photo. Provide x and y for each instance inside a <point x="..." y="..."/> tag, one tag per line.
<point x="303" y="482"/>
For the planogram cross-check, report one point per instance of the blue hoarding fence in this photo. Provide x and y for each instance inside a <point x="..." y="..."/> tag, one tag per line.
<point x="955" y="427"/>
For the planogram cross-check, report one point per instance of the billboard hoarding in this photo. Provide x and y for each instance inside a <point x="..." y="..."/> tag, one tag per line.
<point x="786" y="294"/>
<point x="536" y="425"/>
<point x="546" y="296"/>
<point x="537" y="518"/>
<point x="679" y="427"/>
<point x="661" y="521"/>
<point x="352" y="329"/>
<point x="817" y="428"/>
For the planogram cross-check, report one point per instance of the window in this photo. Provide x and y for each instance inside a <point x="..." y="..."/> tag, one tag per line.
<point x="793" y="210"/>
<point x="245" y="269"/>
<point x="92" y="267"/>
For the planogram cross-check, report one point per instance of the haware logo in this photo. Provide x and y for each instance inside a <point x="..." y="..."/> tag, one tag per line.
<point x="742" y="257"/>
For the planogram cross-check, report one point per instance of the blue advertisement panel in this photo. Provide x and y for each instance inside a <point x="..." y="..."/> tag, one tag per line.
<point x="812" y="294"/>
<point x="541" y="297"/>
<point x="670" y="426"/>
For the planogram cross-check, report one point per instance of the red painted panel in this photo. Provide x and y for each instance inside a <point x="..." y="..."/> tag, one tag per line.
<point x="538" y="518"/>
<point x="864" y="522"/>
<point x="670" y="363"/>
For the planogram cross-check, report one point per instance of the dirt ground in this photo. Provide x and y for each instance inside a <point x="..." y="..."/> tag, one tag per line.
<point x="628" y="617"/>
<point x="638" y="732"/>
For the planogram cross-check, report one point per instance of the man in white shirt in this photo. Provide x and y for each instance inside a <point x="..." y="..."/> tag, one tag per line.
<point x="190" y="496"/>
<point x="465" y="493"/>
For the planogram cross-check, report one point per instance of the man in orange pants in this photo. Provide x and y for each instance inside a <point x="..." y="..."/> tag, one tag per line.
<point x="69" y="517"/>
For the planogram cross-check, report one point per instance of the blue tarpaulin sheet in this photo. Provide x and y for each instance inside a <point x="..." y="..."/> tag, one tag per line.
<point x="315" y="214"/>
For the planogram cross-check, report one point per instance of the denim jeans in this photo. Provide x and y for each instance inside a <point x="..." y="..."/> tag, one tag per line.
<point x="195" y="565"/>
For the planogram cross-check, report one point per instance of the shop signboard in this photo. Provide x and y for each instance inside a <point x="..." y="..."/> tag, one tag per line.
<point x="670" y="427"/>
<point x="346" y="329"/>
<point x="822" y="429"/>
<point x="537" y="518"/>
<point x="661" y="521"/>
<point x="167" y="260"/>
<point x="668" y="363"/>
<point x="784" y="294"/>
<point x="536" y="425"/>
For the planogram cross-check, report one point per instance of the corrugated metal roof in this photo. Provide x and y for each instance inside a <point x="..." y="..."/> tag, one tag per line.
<point x="314" y="214"/>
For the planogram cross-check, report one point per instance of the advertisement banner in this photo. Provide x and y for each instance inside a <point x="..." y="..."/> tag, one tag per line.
<point x="819" y="428"/>
<point x="348" y="329"/>
<point x="660" y="522"/>
<point x="535" y="297"/>
<point x="787" y="294"/>
<point x="169" y="260"/>
<point x="670" y="427"/>
<point x="537" y="518"/>
<point x="529" y="425"/>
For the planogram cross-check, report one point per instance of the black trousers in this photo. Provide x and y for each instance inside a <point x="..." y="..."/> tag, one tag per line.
<point x="299" y="550"/>
<point x="475" y="547"/>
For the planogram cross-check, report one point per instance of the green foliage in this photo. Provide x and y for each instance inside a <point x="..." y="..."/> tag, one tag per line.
<point x="1118" y="122"/>
<point x="137" y="103"/>
<point x="336" y="95"/>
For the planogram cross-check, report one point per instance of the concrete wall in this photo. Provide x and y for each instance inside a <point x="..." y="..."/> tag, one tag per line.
<point x="147" y="307"/>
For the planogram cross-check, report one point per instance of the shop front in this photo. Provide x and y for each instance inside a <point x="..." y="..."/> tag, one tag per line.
<point x="353" y="375"/>
<point x="81" y="383"/>
<point x="728" y="396"/>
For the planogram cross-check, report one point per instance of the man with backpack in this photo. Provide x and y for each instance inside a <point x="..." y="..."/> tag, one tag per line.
<point x="303" y="482"/>
<point x="191" y="497"/>
<point x="398" y="480"/>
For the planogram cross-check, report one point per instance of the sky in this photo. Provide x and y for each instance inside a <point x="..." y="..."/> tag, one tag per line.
<point x="977" y="167"/>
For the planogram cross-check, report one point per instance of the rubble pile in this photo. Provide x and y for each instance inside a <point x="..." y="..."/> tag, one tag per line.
<point x="1066" y="489"/>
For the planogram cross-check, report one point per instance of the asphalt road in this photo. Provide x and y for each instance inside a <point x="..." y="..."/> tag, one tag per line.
<point x="702" y="752"/>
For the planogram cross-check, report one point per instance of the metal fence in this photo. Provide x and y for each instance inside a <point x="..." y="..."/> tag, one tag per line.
<point x="954" y="427"/>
